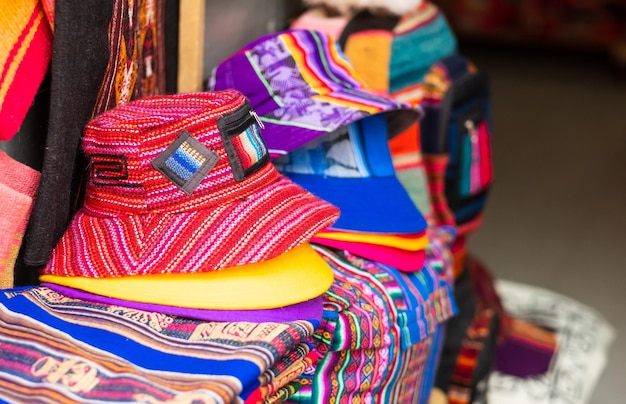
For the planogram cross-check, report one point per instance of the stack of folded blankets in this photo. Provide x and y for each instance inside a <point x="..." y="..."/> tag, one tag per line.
<point x="209" y="262"/>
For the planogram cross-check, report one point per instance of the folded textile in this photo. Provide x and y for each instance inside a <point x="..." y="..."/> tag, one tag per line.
<point x="24" y="57"/>
<point x="377" y="330"/>
<point x="64" y="349"/>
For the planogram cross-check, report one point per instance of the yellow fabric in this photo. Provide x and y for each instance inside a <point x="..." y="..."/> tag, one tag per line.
<point x="403" y="243"/>
<point x="15" y="18"/>
<point x="370" y="55"/>
<point x="293" y="277"/>
<point x="437" y="397"/>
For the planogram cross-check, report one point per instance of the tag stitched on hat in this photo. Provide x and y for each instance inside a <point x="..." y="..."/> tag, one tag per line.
<point x="244" y="146"/>
<point x="186" y="162"/>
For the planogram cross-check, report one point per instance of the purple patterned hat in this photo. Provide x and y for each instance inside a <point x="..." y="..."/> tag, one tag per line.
<point x="302" y="86"/>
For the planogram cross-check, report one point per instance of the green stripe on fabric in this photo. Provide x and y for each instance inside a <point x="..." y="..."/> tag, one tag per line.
<point x="265" y="83"/>
<point x="323" y="55"/>
<point x="296" y="124"/>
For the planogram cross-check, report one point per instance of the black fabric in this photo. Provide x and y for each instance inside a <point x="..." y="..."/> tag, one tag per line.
<point x="456" y="329"/>
<point x="172" y="13"/>
<point x="79" y="60"/>
<point x="365" y="21"/>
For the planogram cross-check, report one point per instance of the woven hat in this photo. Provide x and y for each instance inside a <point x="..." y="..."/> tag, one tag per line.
<point x="302" y="87"/>
<point x="182" y="184"/>
<point x="352" y="169"/>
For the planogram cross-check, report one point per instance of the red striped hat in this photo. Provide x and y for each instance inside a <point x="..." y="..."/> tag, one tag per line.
<point x="183" y="184"/>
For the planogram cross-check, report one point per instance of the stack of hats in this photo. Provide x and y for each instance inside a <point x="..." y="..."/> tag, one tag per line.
<point x="187" y="273"/>
<point x="412" y="56"/>
<point x="329" y="133"/>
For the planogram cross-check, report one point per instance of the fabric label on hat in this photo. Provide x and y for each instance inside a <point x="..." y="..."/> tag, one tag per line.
<point x="186" y="162"/>
<point x="244" y="146"/>
<point x="109" y="170"/>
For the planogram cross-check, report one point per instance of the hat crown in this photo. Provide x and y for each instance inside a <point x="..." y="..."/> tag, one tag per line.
<point x="174" y="153"/>
<point x="281" y="69"/>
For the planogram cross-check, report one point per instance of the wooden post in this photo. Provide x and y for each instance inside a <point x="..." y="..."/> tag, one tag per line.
<point x="191" y="45"/>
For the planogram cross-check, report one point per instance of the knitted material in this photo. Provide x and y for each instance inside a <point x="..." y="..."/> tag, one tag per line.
<point x="377" y="328"/>
<point x="60" y="349"/>
<point x="436" y="168"/>
<point x="18" y="185"/>
<point x="171" y="190"/>
<point x="24" y="56"/>
<point x="303" y="87"/>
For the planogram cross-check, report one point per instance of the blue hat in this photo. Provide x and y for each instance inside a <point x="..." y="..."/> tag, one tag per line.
<point x="351" y="168"/>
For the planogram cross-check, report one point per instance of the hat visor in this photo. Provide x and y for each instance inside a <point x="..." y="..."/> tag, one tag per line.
<point x="308" y="310"/>
<point x="293" y="277"/>
<point x="412" y="242"/>
<point x="294" y="125"/>
<point x="259" y="227"/>
<point x="403" y="260"/>
<point x="373" y="204"/>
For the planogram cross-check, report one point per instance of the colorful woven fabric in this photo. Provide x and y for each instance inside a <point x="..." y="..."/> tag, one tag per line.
<point x="467" y="384"/>
<point x="377" y="329"/>
<point x="409" y="164"/>
<point x="435" y="169"/>
<point x="18" y="185"/>
<point x="25" y="53"/>
<point x="67" y="350"/>
<point x="136" y="55"/>
<point x="302" y="87"/>
<point x="422" y="37"/>
<point x="149" y="210"/>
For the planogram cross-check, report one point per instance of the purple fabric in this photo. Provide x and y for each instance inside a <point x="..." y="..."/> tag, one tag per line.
<point x="268" y="74"/>
<point x="308" y="310"/>
<point x="522" y="358"/>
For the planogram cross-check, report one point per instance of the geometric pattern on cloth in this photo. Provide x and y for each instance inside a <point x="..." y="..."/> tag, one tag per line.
<point x="136" y="66"/>
<point x="65" y="349"/>
<point x="376" y="332"/>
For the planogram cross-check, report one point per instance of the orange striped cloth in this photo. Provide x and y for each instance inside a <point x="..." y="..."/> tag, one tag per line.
<point x="25" y="52"/>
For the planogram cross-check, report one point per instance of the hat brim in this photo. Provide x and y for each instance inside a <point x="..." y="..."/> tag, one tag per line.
<point x="372" y="205"/>
<point x="256" y="228"/>
<point x="403" y="260"/>
<point x="293" y="277"/>
<point x="309" y="310"/>
<point x="296" y="124"/>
